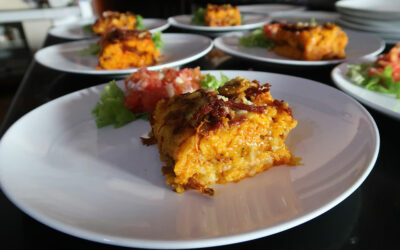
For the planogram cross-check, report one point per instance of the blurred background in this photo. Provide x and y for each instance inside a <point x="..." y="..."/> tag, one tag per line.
<point x="24" y="25"/>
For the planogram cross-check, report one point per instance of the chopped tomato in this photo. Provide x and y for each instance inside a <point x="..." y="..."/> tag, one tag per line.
<point x="144" y="88"/>
<point x="390" y="59"/>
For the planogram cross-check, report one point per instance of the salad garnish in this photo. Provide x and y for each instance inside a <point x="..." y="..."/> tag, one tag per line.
<point x="382" y="76"/>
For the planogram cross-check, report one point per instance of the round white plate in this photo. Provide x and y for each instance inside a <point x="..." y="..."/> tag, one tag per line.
<point x="393" y="31"/>
<point x="385" y="24"/>
<point x="306" y="16"/>
<point x="372" y="9"/>
<point x="385" y="103"/>
<point x="178" y="49"/>
<point x="250" y="21"/>
<point x="104" y="185"/>
<point x="360" y="44"/>
<point x="270" y="9"/>
<point x="76" y="31"/>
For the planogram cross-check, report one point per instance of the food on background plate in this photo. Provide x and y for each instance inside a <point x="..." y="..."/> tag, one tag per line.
<point x="300" y="41"/>
<point x="113" y="19"/>
<point x="217" y="16"/>
<point x="121" y="49"/>
<point x="382" y="76"/>
<point x="143" y="89"/>
<point x="205" y="137"/>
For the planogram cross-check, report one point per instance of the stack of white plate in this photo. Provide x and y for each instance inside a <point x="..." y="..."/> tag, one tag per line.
<point x="379" y="17"/>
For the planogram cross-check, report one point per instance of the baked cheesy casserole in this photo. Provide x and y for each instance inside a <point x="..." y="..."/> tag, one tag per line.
<point x="122" y="49"/>
<point x="113" y="19"/>
<point x="207" y="138"/>
<point x="222" y="15"/>
<point x="304" y="41"/>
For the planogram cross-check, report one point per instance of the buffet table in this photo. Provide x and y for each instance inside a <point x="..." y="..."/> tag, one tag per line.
<point x="365" y="220"/>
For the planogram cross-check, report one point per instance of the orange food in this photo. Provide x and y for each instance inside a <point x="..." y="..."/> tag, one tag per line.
<point x="307" y="42"/>
<point x="121" y="49"/>
<point x="113" y="19"/>
<point x="222" y="15"/>
<point x="207" y="138"/>
<point x="144" y="88"/>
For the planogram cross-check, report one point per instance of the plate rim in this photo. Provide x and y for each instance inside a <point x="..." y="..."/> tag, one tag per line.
<point x="287" y="61"/>
<point x="54" y="28"/>
<point x="129" y="70"/>
<point x="207" y="242"/>
<point x="354" y="6"/>
<point x="172" y="20"/>
<point x="293" y="8"/>
<point x="336" y="74"/>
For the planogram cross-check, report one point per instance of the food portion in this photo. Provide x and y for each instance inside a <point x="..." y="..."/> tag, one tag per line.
<point x="382" y="76"/>
<point x="121" y="49"/>
<point x="205" y="137"/>
<point x="304" y="41"/>
<point x="112" y="19"/>
<point x="300" y="41"/>
<point x="217" y="15"/>
<point x="143" y="89"/>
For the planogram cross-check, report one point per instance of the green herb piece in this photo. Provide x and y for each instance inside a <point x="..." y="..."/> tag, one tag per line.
<point x="210" y="82"/>
<point x="313" y="22"/>
<point x="256" y="38"/>
<point x="92" y="49"/>
<point x="198" y="17"/>
<point x="139" y="22"/>
<point x="88" y="29"/>
<point x="111" y="109"/>
<point x="157" y="40"/>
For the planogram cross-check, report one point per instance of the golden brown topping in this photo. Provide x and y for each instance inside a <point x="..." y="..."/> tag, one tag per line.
<point x="116" y="35"/>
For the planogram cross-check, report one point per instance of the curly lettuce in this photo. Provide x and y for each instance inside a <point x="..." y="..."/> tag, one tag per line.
<point x="198" y="17"/>
<point x="256" y="38"/>
<point x="111" y="109"/>
<point x="380" y="82"/>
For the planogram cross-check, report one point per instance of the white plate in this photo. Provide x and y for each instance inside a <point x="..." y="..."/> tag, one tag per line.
<point x="250" y="21"/>
<point x="385" y="24"/>
<point x="360" y="44"/>
<point x="178" y="49"/>
<point x="306" y="16"/>
<point x="76" y="31"/>
<point x="375" y="29"/>
<point x="270" y="9"/>
<point x="381" y="10"/>
<point x="104" y="185"/>
<point x="385" y="103"/>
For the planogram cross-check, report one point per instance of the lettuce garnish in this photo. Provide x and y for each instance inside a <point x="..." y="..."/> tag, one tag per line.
<point x="256" y="38"/>
<point x="211" y="83"/>
<point x="111" y="109"/>
<point x="139" y="22"/>
<point x="198" y="17"/>
<point x="379" y="82"/>
<point x="157" y="40"/>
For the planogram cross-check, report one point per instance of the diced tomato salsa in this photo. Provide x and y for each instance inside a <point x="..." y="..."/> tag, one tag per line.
<point x="144" y="88"/>
<point x="393" y="59"/>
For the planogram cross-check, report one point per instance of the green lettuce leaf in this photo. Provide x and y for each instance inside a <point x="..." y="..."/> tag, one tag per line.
<point x="111" y="109"/>
<point x="88" y="29"/>
<point x="380" y="82"/>
<point x="157" y="40"/>
<point x="92" y="49"/>
<point x="256" y="38"/>
<point x="198" y="17"/>
<point x="139" y="22"/>
<point x="211" y="83"/>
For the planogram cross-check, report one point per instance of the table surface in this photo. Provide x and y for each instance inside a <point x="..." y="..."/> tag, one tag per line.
<point x="365" y="220"/>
